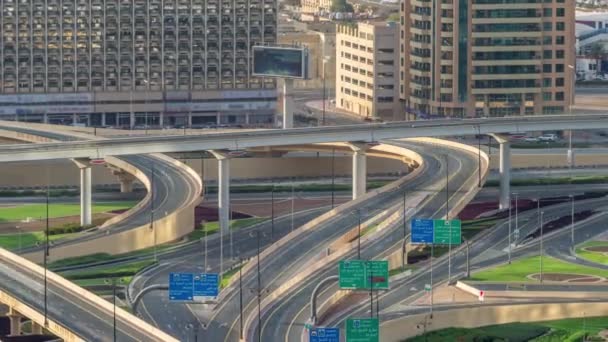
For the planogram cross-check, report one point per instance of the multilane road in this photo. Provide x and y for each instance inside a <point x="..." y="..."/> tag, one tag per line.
<point x="283" y="321"/>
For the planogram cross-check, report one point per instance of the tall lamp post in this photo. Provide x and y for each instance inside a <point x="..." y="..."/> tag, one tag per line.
<point x="325" y="61"/>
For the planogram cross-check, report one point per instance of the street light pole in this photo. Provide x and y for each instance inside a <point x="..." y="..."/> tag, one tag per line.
<point x="241" y="297"/>
<point x="46" y="255"/>
<point x="19" y="232"/>
<point x="114" y="304"/>
<point x="541" y="246"/>
<point x="259" y="291"/>
<point x="403" y="252"/>
<point x="333" y="175"/>
<point x="572" y="220"/>
<point x="292" y="203"/>
<point x="516" y="213"/>
<point x="447" y="216"/>
<point x="359" y="236"/>
<point x="324" y="94"/>
<point x="509" y="230"/>
<point x="272" y="213"/>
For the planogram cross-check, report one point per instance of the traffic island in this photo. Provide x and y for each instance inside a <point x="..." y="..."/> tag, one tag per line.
<point x="594" y="251"/>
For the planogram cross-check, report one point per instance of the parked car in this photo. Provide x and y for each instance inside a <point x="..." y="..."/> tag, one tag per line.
<point x="531" y="139"/>
<point x="548" y="137"/>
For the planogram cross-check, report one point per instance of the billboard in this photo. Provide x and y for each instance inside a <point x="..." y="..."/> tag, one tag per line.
<point x="283" y="62"/>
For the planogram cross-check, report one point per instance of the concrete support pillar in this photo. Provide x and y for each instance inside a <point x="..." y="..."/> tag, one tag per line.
<point x="359" y="168"/>
<point x="505" y="173"/>
<point x="132" y="120"/>
<point x="161" y="119"/>
<point x="224" y="193"/>
<point x="359" y="173"/>
<point x="74" y="118"/>
<point x="103" y="119"/>
<point x="125" y="179"/>
<point x="45" y="118"/>
<point x="189" y="123"/>
<point x="85" y="196"/>
<point x="15" y="320"/>
<point x="288" y="106"/>
<point x="36" y="329"/>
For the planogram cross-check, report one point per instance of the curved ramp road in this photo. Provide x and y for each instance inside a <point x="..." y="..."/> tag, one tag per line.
<point x="284" y="320"/>
<point x="281" y="265"/>
<point x="173" y="188"/>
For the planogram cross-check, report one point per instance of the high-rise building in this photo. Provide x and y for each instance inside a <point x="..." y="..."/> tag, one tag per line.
<point x="366" y="69"/>
<point x="181" y="61"/>
<point x="315" y="6"/>
<point x="486" y="57"/>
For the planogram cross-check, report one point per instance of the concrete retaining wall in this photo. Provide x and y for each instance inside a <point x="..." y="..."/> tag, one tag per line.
<point x="399" y="329"/>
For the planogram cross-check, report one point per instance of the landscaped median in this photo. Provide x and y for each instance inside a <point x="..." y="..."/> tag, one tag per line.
<point x="574" y="329"/>
<point x="38" y="211"/>
<point x="528" y="269"/>
<point x="594" y="251"/>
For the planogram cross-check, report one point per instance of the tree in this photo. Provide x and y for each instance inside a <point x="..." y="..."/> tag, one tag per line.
<point x="597" y="51"/>
<point x="341" y="6"/>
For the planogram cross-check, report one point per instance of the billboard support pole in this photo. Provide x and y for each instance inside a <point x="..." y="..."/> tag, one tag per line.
<point x="288" y="103"/>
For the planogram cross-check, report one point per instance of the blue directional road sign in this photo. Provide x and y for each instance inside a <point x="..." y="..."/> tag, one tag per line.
<point x="206" y="286"/>
<point x="181" y="286"/>
<point x="422" y="231"/>
<point x="324" y="335"/>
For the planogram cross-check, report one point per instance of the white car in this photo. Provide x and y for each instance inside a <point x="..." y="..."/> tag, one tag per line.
<point x="548" y="137"/>
<point x="531" y="139"/>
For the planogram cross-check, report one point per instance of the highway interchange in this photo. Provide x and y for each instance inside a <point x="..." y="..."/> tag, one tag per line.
<point x="283" y="319"/>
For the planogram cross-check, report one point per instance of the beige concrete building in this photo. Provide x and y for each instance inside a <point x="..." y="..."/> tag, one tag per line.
<point x="367" y="69"/>
<point x="486" y="57"/>
<point x="315" y="6"/>
<point x="138" y="62"/>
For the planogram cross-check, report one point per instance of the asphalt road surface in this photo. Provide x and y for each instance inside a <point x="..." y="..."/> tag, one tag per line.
<point x="284" y="320"/>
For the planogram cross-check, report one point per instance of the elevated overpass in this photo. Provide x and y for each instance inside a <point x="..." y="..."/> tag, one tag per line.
<point x="295" y="136"/>
<point x="354" y="134"/>
<point x="73" y="313"/>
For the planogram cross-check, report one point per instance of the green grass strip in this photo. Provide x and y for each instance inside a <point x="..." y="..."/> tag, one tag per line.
<point x="519" y="270"/>
<point x="38" y="211"/>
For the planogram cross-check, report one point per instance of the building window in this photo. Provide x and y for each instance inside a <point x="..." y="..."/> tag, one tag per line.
<point x="559" y="68"/>
<point x="547" y="68"/>
<point x="560" y="12"/>
<point x="546" y="82"/>
<point x="559" y="96"/>
<point x="547" y="96"/>
<point x="548" y="40"/>
<point x="559" y="40"/>
<point x="547" y="54"/>
<point x="547" y="26"/>
<point x="559" y="54"/>
<point x="560" y="26"/>
<point x="547" y="12"/>
<point x="559" y="82"/>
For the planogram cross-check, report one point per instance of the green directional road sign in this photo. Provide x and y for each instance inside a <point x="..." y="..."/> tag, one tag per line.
<point x="442" y="232"/>
<point x="358" y="274"/>
<point x="362" y="330"/>
<point x="352" y="274"/>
